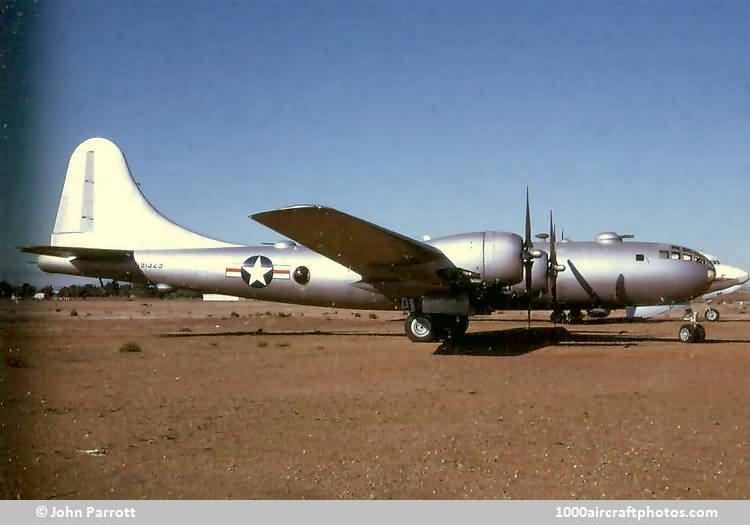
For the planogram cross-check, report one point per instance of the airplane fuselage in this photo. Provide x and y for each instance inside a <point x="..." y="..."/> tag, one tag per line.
<point x="610" y="275"/>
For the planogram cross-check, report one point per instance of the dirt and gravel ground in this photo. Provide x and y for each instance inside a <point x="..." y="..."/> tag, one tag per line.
<point x="259" y="400"/>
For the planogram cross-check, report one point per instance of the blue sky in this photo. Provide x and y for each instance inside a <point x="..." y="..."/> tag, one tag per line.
<point x="424" y="117"/>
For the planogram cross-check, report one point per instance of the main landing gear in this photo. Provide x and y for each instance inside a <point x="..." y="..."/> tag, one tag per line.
<point x="425" y="328"/>
<point x="560" y="317"/>
<point x="692" y="332"/>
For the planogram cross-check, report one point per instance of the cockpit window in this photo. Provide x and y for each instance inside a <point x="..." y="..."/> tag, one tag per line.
<point x="715" y="261"/>
<point x="687" y="257"/>
<point x="675" y="255"/>
<point x="664" y="254"/>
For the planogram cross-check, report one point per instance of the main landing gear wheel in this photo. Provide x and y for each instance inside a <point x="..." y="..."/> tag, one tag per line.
<point x="692" y="333"/>
<point x="420" y="328"/>
<point x="711" y="315"/>
<point x="575" y="317"/>
<point x="558" y="317"/>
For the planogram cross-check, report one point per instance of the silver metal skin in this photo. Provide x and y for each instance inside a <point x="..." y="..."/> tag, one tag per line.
<point x="106" y="228"/>
<point x="648" y="282"/>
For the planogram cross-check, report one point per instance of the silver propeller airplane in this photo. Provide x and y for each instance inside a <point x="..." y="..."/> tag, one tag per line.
<point x="106" y="228"/>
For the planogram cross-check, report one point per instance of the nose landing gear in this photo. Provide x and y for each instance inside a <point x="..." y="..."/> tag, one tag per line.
<point x="711" y="315"/>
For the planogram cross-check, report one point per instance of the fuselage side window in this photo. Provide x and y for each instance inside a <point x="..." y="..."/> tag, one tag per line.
<point x="639" y="257"/>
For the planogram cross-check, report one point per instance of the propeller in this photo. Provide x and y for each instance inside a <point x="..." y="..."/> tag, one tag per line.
<point x="528" y="254"/>
<point x="554" y="268"/>
<point x="552" y="262"/>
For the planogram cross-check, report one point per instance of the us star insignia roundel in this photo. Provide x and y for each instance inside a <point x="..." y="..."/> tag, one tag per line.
<point x="257" y="271"/>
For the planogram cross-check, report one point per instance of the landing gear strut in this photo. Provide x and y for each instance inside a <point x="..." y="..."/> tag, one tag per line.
<point x="692" y="332"/>
<point x="425" y="328"/>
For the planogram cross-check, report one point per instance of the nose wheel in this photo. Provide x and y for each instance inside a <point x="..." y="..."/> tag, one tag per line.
<point x="711" y="315"/>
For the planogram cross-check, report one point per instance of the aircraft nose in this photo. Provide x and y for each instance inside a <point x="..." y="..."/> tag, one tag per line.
<point x="743" y="278"/>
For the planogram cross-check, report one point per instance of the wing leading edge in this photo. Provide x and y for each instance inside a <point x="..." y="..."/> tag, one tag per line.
<point x="382" y="257"/>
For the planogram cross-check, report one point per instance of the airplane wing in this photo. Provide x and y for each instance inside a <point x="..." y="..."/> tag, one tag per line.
<point x="83" y="253"/>
<point x="379" y="255"/>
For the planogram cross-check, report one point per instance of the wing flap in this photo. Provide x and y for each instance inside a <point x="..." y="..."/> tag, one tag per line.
<point x="374" y="252"/>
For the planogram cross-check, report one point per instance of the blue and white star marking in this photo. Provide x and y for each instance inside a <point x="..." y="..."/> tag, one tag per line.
<point x="258" y="271"/>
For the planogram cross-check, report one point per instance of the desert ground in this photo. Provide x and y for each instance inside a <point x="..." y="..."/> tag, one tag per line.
<point x="259" y="400"/>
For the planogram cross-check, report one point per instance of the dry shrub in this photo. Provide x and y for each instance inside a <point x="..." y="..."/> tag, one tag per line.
<point x="130" y="348"/>
<point x="373" y="316"/>
<point x="74" y="313"/>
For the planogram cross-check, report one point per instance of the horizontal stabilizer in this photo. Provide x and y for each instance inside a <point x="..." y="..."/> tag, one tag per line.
<point x="98" y="254"/>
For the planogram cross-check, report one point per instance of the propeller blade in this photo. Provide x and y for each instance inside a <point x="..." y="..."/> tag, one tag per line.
<point x="552" y="250"/>
<point x="553" y="264"/>
<point x="528" y="259"/>
<point x="527" y="237"/>
<point x="584" y="283"/>
<point x="620" y="292"/>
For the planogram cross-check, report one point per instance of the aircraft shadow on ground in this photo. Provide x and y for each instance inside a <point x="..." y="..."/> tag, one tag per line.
<point x="497" y="343"/>
<point x="518" y="341"/>
<point x="609" y="320"/>
<point x="264" y="333"/>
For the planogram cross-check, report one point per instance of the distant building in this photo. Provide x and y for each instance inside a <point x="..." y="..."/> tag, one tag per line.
<point x="39" y="296"/>
<point x="219" y="297"/>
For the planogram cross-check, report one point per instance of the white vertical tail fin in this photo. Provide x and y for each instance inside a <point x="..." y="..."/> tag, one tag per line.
<point x="102" y="207"/>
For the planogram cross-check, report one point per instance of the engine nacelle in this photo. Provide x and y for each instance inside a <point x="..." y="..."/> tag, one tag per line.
<point x="494" y="256"/>
<point x="502" y="257"/>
